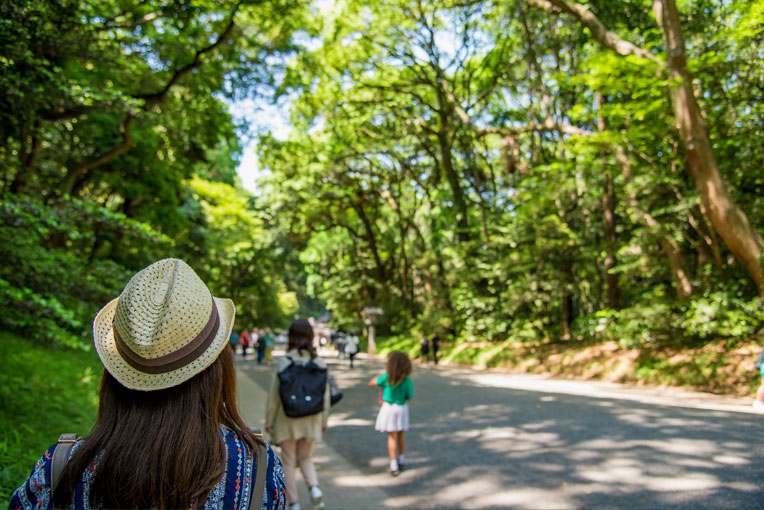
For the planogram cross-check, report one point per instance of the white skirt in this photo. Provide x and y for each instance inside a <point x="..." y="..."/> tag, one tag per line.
<point x="392" y="418"/>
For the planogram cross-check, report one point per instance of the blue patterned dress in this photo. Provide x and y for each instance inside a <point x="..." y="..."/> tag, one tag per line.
<point x="232" y="492"/>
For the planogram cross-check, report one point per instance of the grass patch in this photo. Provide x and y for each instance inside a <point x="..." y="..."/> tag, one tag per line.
<point x="43" y="393"/>
<point x="403" y="343"/>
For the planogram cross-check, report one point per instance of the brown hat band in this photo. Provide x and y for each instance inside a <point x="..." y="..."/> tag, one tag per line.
<point x="174" y="360"/>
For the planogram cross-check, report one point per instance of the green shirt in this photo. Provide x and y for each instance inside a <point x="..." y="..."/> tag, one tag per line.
<point x="397" y="394"/>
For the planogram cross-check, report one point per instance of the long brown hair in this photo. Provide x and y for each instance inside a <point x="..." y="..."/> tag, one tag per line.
<point x="162" y="448"/>
<point x="398" y="367"/>
<point x="301" y="337"/>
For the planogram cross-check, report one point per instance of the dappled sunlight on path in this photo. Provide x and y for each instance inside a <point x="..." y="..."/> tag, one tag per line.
<point x="482" y="440"/>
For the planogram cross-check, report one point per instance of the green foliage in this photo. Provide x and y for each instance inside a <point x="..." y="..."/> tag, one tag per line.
<point x="402" y="343"/>
<point x="662" y="321"/>
<point x="51" y="284"/>
<point x="721" y="314"/>
<point x="43" y="393"/>
<point x="451" y="166"/>
<point x="117" y="149"/>
<point x="243" y="259"/>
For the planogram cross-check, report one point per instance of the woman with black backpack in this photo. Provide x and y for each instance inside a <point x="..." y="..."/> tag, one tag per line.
<point x="297" y="411"/>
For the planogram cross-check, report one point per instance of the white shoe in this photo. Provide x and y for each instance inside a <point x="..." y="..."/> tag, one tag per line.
<point x="758" y="405"/>
<point x="295" y="506"/>
<point x="316" y="497"/>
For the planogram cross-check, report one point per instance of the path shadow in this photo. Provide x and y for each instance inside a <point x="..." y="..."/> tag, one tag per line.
<point x="472" y="446"/>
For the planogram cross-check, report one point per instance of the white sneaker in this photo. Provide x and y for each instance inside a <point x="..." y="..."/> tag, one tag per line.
<point x="316" y="497"/>
<point x="758" y="405"/>
<point x="295" y="506"/>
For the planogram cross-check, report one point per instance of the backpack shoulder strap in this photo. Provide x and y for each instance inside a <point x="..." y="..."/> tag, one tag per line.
<point x="291" y="362"/>
<point x="256" y="498"/>
<point x="60" y="454"/>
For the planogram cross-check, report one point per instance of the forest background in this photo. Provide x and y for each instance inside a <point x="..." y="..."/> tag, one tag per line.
<point x="552" y="186"/>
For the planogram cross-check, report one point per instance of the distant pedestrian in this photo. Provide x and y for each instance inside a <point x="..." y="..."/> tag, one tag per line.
<point x="758" y="403"/>
<point x="234" y="340"/>
<point x="341" y="343"/>
<point x="260" y="346"/>
<point x="269" y="338"/>
<point x="244" y="339"/>
<point x="254" y="337"/>
<point x="351" y="346"/>
<point x="393" y="416"/>
<point x="435" y="348"/>
<point x="424" y="346"/>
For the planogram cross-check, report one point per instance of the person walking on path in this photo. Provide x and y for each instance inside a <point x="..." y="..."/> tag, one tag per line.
<point x="341" y="343"/>
<point x="168" y="432"/>
<point x="351" y="346"/>
<point x="244" y="339"/>
<point x="269" y="339"/>
<point x="297" y="436"/>
<point x="260" y="346"/>
<point x="234" y="339"/>
<point x="758" y="403"/>
<point x="435" y="348"/>
<point x="424" y="346"/>
<point x="393" y="417"/>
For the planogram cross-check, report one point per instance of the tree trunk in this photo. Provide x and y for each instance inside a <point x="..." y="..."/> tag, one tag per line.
<point x="608" y="215"/>
<point x="728" y="219"/>
<point x="372" y="241"/>
<point x="27" y="156"/>
<point x="668" y="244"/>
<point x="445" y="145"/>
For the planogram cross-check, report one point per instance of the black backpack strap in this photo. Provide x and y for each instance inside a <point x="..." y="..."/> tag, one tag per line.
<point x="257" y="496"/>
<point x="60" y="455"/>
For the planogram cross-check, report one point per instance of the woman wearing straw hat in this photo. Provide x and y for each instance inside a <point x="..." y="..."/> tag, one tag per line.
<point x="168" y="432"/>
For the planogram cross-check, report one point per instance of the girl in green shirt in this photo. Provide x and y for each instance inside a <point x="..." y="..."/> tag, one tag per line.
<point x="393" y="416"/>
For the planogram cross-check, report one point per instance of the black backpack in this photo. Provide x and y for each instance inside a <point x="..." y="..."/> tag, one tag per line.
<point x="759" y="360"/>
<point x="302" y="387"/>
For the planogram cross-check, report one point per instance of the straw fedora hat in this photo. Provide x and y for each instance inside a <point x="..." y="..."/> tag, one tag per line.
<point x="163" y="329"/>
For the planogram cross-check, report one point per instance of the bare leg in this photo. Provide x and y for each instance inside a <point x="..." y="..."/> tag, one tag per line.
<point x="391" y="447"/>
<point x="305" y="449"/>
<point x="289" y="461"/>
<point x="401" y="442"/>
<point x="760" y="391"/>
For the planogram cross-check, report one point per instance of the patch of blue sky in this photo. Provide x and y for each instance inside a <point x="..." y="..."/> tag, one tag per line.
<point x="257" y="116"/>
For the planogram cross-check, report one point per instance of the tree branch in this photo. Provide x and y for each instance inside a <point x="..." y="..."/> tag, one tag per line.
<point x="599" y="32"/>
<point x="128" y="24"/>
<point x="157" y="97"/>
<point x="78" y="173"/>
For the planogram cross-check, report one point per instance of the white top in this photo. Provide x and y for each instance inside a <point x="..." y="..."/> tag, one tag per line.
<point x="351" y="344"/>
